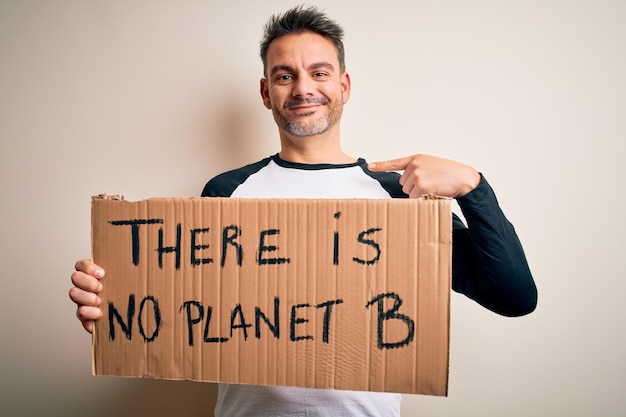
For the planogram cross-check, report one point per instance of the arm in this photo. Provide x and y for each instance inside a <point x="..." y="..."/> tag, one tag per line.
<point x="488" y="262"/>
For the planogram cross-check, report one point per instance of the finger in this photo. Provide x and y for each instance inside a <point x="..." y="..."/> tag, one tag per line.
<point x="88" y="313"/>
<point x="88" y="325"/>
<point x="90" y="268"/>
<point x="412" y="191"/>
<point x="86" y="282"/>
<point x="84" y="298"/>
<point x="407" y="187"/>
<point x="415" y="193"/>
<point x="398" y="164"/>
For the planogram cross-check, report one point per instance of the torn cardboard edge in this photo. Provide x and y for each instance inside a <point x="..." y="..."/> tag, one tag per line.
<point x="334" y="294"/>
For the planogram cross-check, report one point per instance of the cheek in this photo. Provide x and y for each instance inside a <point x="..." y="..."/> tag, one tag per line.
<point x="274" y="100"/>
<point x="337" y="92"/>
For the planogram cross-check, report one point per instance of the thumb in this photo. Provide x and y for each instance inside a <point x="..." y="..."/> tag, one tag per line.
<point x="398" y="164"/>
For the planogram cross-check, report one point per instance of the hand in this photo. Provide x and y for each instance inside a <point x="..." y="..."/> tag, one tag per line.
<point x="425" y="174"/>
<point x="87" y="285"/>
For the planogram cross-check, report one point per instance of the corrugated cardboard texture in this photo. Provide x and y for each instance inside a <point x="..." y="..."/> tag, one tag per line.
<point x="339" y="294"/>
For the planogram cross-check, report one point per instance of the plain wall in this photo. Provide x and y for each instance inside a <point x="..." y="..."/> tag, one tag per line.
<point x="153" y="98"/>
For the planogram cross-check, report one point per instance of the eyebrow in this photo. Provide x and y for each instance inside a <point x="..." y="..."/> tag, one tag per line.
<point x="313" y="66"/>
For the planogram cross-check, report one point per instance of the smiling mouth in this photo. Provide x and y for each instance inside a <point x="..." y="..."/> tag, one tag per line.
<point x="309" y="108"/>
<point x="304" y="105"/>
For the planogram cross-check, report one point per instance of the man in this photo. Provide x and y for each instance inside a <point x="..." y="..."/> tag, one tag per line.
<point x="305" y="85"/>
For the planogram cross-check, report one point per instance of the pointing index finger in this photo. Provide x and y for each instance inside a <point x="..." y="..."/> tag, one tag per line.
<point x="398" y="164"/>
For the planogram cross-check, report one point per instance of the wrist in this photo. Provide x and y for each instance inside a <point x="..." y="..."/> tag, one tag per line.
<point x="472" y="180"/>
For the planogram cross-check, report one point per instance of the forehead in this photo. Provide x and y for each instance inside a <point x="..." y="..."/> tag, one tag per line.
<point x="301" y="49"/>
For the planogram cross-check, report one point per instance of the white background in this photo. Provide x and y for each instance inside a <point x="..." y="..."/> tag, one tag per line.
<point x="152" y="98"/>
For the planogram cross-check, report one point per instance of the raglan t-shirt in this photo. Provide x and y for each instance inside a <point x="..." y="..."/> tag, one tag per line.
<point x="275" y="178"/>
<point x="488" y="266"/>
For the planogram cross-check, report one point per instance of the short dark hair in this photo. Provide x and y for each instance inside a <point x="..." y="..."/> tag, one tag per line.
<point x="298" y="20"/>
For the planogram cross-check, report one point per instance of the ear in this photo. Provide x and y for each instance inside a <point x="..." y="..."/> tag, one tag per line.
<point x="265" y="93"/>
<point x="345" y="86"/>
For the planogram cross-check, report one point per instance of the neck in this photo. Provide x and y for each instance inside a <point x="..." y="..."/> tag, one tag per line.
<point x="316" y="157"/>
<point x="318" y="149"/>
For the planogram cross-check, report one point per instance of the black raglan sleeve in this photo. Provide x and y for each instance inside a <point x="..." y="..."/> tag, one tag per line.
<point x="488" y="261"/>
<point x="224" y="184"/>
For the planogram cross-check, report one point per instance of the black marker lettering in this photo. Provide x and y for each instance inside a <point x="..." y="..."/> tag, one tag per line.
<point x="191" y="321"/>
<point x="126" y="327"/>
<point x="297" y="320"/>
<point x="157" y="318"/>
<point x="242" y="322"/>
<point x="134" y="233"/>
<point x="229" y="239"/>
<point x="329" y="306"/>
<point x="388" y="315"/>
<point x="336" y="242"/>
<point x="271" y="248"/>
<point x="371" y="243"/>
<point x="259" y="315"/>
<point x="207" y="339"/>
<point x="170" y="249"/>
<point x="195" y="247"/>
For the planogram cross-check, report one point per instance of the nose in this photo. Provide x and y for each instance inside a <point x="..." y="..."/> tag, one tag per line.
<point x="303" y="86"/>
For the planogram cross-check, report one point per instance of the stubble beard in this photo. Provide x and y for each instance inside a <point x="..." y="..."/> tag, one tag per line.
<point x="311" y="127"/>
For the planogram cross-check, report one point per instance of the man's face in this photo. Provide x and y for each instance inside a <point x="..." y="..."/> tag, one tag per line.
<point x="304" y="88"/>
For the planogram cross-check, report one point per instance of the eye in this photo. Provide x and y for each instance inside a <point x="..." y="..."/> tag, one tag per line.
<point x="320" y="74"/>
<point x="284" y="77"/>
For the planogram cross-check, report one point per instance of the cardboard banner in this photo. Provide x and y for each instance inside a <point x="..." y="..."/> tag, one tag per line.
<point x="337" y="294"/>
